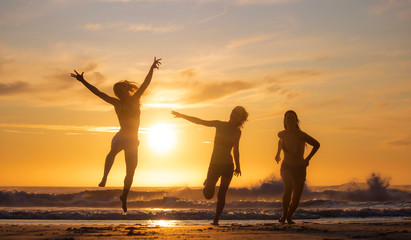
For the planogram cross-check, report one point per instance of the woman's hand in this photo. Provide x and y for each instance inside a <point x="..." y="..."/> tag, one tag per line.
<point x="78" y="76"/>
<point x="277" y="159"/>
<point x="176" y="114"/>
<point x="156" y="63"/>
<point x="237" y="172"/>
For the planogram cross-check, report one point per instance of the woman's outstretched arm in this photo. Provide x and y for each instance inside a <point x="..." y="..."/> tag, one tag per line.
<point x="316" y="145"/>
<point x="236" y="153"/>
<point x="194" y="119"/>
<point x="93" y="89"/>
<point x="156" y="64"/>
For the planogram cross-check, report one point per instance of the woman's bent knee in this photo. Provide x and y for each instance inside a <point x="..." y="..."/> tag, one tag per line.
<point x="208" y="192"/>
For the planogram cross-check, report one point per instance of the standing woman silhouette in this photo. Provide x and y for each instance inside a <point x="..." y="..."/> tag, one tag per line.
<point x="127" y="107"/>
<point x="293" y="168"/>
<point x="227" y="139"/>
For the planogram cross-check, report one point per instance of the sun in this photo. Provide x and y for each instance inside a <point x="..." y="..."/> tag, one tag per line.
<point x="161" y="137"/>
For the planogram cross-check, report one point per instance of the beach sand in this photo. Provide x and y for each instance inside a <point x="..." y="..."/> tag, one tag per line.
<point x="301" y="230"/>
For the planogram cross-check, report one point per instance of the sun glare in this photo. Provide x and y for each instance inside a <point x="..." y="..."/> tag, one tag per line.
<point x="162" y="223"/>
<point x="161" y="137"/>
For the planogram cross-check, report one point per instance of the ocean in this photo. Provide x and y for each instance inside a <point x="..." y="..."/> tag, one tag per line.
<point x="262" y="203"/>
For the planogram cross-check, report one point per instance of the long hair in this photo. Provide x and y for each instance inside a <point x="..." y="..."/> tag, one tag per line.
<point x="244" y="115"/>
<point x="295" y="114"/>
<point x="131" y="87"/>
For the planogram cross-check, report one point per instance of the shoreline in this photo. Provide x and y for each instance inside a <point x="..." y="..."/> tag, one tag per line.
<point x="169" y="229"/>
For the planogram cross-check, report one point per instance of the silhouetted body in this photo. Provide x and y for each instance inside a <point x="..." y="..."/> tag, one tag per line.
<point x="127" y="107"/>
<point x="293" y="168"/>
<point x="227" y="139"/>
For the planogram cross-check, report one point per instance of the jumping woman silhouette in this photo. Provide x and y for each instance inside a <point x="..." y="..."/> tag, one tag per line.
<point x="127" y="107"/>
<point x="227" y="139"/>
<point x="293" y="168"/>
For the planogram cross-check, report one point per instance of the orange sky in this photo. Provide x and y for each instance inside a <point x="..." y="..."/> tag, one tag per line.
<point x="344" y="67"/>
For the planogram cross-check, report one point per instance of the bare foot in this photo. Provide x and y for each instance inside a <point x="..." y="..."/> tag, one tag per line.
<point x="124" y="203"/>
<point x="214" y="223"/>
<point x="282" y="220"/>
<point x="103" y="182"/>
<point x="289" y="221"/>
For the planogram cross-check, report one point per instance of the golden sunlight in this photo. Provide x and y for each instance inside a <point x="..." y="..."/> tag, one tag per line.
<point x="162" y="223"/>
<point x="161" y="137"/>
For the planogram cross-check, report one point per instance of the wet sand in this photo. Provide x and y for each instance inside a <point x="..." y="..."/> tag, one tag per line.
<point x="301" y="230"/>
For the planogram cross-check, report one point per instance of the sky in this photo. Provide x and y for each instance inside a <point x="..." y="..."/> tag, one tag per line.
<point x="343" y="66"/>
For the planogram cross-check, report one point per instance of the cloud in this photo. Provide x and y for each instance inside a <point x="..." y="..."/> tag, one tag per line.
<point x="11" y="127"/>
<point x="93" y="26"/>
<point x="69" y="129"/>
<point x="402" y="142"/>
<point x="50" y="84"/>
<point x="402" y="9"/>
<point x="151" y="28"/>
<point x="262" y="2"/>
<point x="279" y="90"/>
<point x="188" y="73"/>
<point x="240" y="42"/>
<point x="216" y="90"/>
<point x="208" y="19"/>
<point x="189" y="86"/>
<point x="13" y="88"/>
<point x="131" y="27"/>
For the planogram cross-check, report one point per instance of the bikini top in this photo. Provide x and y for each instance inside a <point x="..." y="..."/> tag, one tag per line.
<point x="128" y="111"/>
<point x="295" y="149"/>
<point x="225" y="136"/>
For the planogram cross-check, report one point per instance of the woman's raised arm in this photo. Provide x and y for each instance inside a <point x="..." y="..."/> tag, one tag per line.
<point x="93" y="89"/>
<point x="156" y="64"/>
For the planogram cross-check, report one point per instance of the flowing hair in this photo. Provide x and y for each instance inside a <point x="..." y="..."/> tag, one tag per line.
<point x="244" y="115"/>
<point x="131" y="87"/>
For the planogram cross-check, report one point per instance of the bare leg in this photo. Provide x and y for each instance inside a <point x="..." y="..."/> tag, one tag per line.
<point x="115" y="149"/>
<point x="288" y="189"/>
<point x="225" y="183"/>
<point x="298" y="190"/>
<point x="209" y="187"/>
<point x="208" y="190"/>
<point x="131" y="164"/>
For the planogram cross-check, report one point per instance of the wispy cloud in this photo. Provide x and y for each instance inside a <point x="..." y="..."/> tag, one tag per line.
<point x="262" y="2"/>
<point x="11" y="127"/>
<point x="140" y="27"/>
<point x="192" y="86"/>
<point x="402" y="9"/>
<point x="240" y="42"/>
<point x="208" y="19"/>
<point x="217" y="90"/>
<point x="50" y="84"/>
<point x="68" y="129"/>
<point x="13" y="88"/>
<point x="92" y="26"/>
<point x="188" y="73"/>
<point x="399" y="142"/>
<point x="152" y="28"/>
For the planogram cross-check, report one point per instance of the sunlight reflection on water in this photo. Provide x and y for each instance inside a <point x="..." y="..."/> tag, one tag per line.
<point x="162" y="223"/>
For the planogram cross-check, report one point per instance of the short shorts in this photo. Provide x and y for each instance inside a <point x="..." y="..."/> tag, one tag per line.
<point x="124" y="141"/>
<point x="297" y="173"/>
<point x="215" y="171"/>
